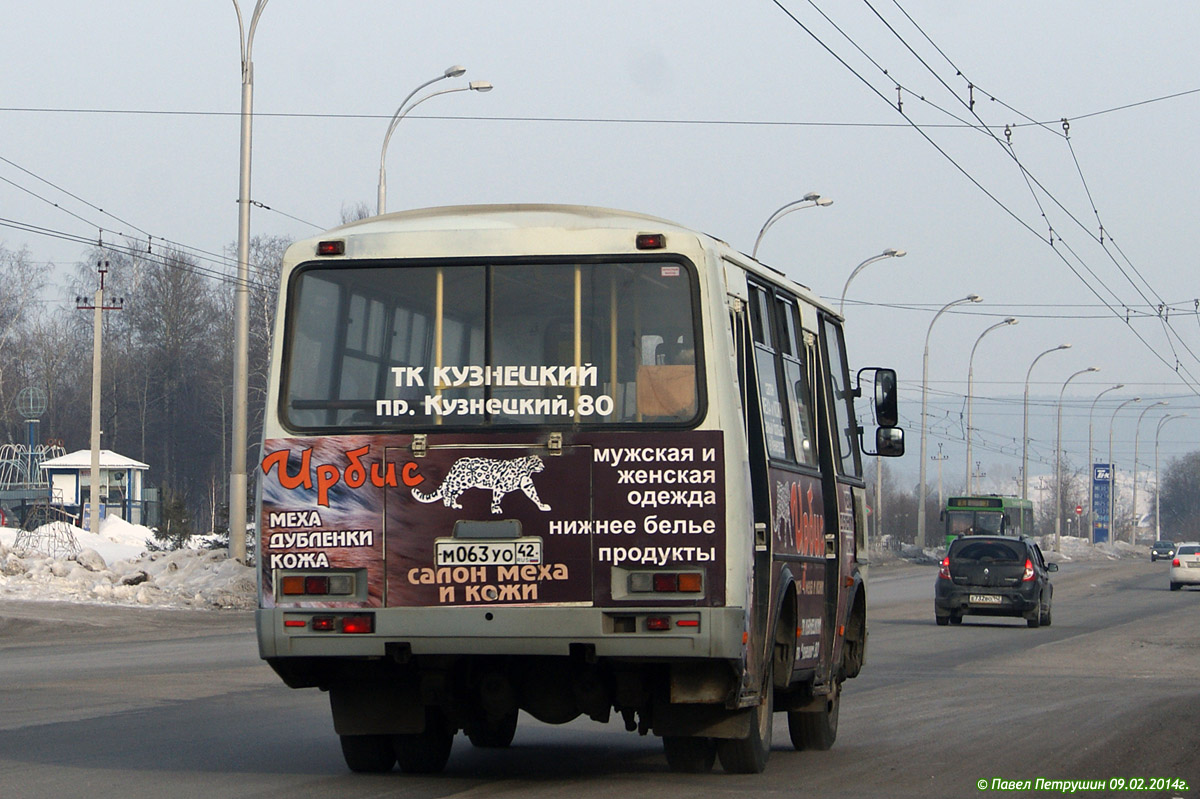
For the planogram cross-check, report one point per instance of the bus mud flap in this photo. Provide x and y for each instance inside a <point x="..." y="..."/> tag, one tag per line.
<point x="707" y="721"/>
<point x="376" y="707"/>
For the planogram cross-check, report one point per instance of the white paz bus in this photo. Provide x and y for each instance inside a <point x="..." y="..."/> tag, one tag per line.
<point x="567" y="461"/>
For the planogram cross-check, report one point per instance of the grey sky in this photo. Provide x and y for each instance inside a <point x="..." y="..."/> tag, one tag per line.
<point x="749" y="112"/>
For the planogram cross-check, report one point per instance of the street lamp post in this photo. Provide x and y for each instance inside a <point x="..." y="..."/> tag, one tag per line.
<point x="402" y="111"/>
<point x="1136" y="434"/>
<point x="970" y="387"/>
<point x="890" y="252"/>
<point x="1157" y="484"/>
<point x="1058" y="500"/>
<point x="924" y="406"/>
<point x="1091" y="476"/>
<point x="1112" y="471"/>
<point x="1025" y="437"/>
<point x="807" y="201"/>
<point x="241" y="305"/>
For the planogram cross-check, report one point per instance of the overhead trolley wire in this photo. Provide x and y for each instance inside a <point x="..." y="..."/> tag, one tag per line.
<point x="195" y="252"/>
<point x="1168" y="330"/>
<point x="899" y="109"/>
<point x="577" y="119"/>
<point x="126" y="249"/>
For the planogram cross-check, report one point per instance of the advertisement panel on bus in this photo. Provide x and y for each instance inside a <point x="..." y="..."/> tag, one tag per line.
<point x="508" y="523"/>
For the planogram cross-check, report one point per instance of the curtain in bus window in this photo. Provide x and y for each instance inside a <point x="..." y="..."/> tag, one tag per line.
<point x="798" y="390"/>
<point x="846" y="431"/>
<point x="507" y="344"/>
<point x="775" y="426"/>
<point x="359" y="336"/>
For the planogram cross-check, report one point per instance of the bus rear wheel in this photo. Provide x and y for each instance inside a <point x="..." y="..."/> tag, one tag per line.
<point x="689" y="755"/>
<point x="749" y="755"/>
<point x="425" y="752"/>
<point x="816" y="729"/>
<point x="368" y="754"/>
<point x="494" y="736"/>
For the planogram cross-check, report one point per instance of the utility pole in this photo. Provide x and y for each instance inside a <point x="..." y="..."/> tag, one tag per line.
<point x="98" y="308"/>
<point x="241" y="299"/>
<point x="939" y="457"/>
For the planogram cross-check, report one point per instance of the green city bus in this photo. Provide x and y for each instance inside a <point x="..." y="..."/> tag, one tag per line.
<point x="989" y="514"/>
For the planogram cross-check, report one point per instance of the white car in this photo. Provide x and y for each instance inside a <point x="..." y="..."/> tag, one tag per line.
<point x="1185" y="566"/>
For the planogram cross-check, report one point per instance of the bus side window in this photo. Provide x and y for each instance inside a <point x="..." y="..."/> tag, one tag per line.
<point x="774" y="415"/>
<point x="799" y="391"/>
<point x="846" y="432"/>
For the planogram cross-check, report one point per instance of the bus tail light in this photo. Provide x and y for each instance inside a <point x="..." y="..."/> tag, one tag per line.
<point x="658" y="623"/>
<point x="337" y="584"/>
<point x="364" y="623"/>
<point x="332" y="622"/>
<point x="666" y="583"/>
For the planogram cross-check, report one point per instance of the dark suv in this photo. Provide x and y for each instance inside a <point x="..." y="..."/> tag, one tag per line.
<point x="1162" y="549"/>
<point x="994" y="575"/>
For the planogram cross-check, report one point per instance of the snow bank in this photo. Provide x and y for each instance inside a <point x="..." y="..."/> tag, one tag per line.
<point x="116" y="567"/>
<point x="1070" y="549"/>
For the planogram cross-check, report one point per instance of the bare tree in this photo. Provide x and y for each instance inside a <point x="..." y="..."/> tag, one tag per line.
<point x="21" y="281"/>
<point x="1061" y="496"/>
<point x="355" y="212"/>
<point x="1179" y="498"/>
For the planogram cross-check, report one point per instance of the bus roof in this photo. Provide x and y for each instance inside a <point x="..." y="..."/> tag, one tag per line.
<point x="987" y="501"/>
<point x="506" y="217"/>
<point x="433" y="222"/>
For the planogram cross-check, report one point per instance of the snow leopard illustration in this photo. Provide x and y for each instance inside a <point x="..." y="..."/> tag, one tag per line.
<point x="783" y="512"/>
<point x="502" y="477"/>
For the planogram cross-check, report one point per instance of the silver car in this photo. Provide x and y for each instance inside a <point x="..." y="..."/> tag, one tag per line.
<point x="1185" y="566"/>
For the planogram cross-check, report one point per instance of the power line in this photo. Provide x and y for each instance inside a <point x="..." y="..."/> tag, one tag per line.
<point x="125" y="249"/>
<point x="573" y="119"/>
<point x="898" y="106"/>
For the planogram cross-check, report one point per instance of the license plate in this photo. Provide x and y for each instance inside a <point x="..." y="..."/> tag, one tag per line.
<point x="985" y="599"/>
<point x="455" y="552"/>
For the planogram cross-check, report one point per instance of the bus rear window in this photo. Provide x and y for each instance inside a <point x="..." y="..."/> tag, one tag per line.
<point x="397" y="347"/>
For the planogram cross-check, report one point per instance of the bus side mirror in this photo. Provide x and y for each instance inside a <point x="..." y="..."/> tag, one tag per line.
<point x="889" y="442"/>
<point x="886" y="400"/>
<point x="889" y="439"/>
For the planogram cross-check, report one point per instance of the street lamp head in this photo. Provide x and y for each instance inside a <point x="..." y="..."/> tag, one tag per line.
<point x="1063" y="347"/>
<point x="810" y="200"/>
<point x="454" y="72"/>
<point x="480" y="86"/>
<point x="1012" y="320"/>
<point x="974" y="298"/>
<point x="892" y="252"/>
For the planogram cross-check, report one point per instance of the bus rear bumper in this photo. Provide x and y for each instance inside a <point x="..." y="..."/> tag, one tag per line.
<point x="684" y="632"/>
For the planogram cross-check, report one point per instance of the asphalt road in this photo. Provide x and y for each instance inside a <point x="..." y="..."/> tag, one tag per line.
<point x="121" y="702"/>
